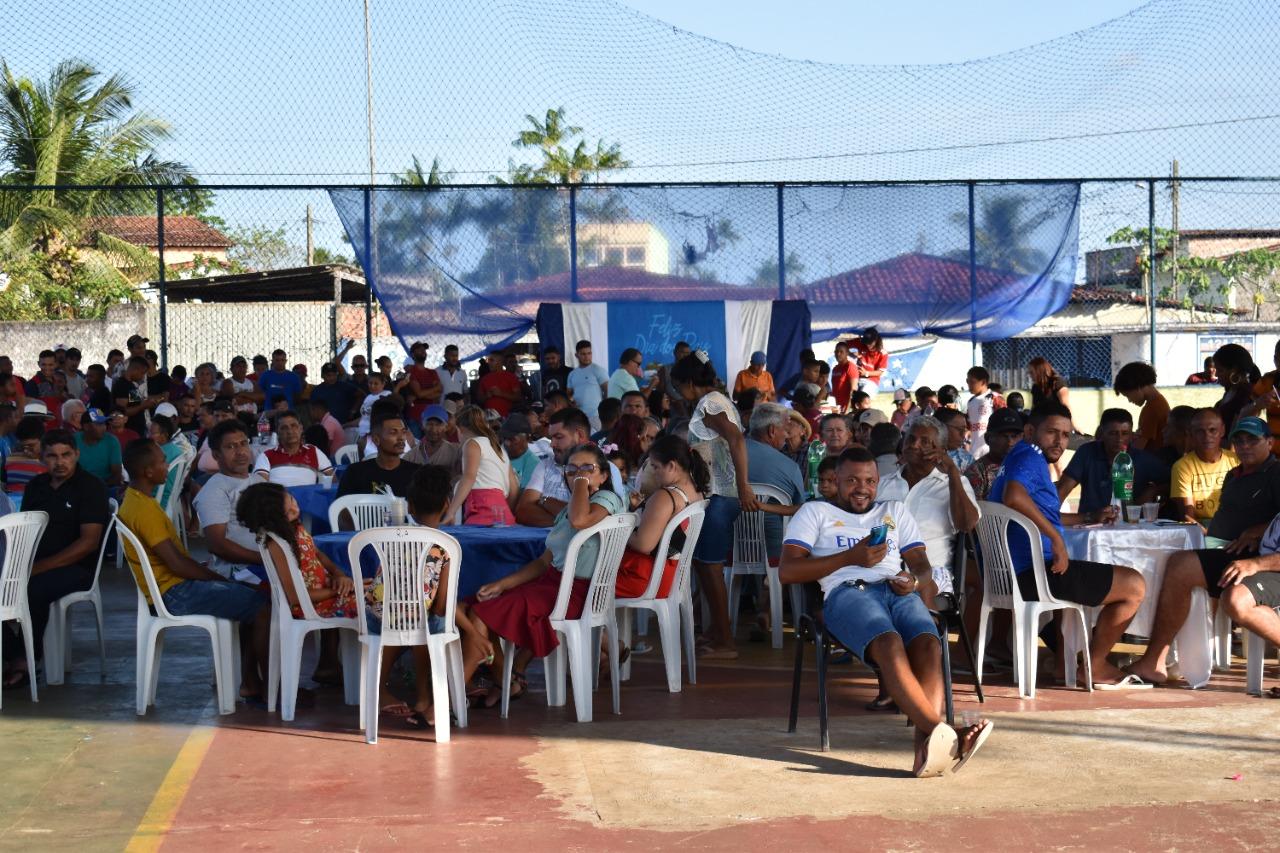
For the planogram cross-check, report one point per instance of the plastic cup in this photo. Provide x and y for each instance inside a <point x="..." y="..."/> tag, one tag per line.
<point x="969" y="718"/>
<point x="326" y="480"/>
<point x="1133" y="513"/>
<point x="1151" y="511"/>
<point x="398" y="511"/>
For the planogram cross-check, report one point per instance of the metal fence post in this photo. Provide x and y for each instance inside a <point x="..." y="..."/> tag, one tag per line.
<point x="368" y="275"/>
<point x="973" y="276"/>
<point x="1151" y="264"/>
<point x="573" y="243"/>
<point x="782" y="250"/>
<point x="162" y="286"/>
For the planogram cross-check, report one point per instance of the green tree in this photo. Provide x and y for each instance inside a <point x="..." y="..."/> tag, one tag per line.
<point x="1002" y="235"/>
<point x="563" y="161"/>
<point x="260" y="248"/>
<point x="766" y="275"/>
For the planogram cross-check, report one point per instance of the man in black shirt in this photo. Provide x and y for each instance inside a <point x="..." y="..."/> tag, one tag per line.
<point x="129" y="393"/>
<point x="338" y="395"/>
<point x="96" y="388"/>
<point x="555" y="374"/>
<point x="67" y="555"/>
<point x="389" y="434"/>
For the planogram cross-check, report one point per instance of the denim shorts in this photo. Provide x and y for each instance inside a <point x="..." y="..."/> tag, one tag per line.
<point x="857" y="616"/>
<point x="223" y="599"/>
<point x="716" y="538"/>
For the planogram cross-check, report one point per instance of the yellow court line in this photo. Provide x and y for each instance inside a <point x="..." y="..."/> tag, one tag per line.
<point x="159" y="817"/>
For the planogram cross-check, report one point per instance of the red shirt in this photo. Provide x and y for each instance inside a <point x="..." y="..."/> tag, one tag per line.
<point x="503" y="380"/>
<point x="426" y="378"/>
<point x="844" y="377"/>
<point x="871" y="363"/>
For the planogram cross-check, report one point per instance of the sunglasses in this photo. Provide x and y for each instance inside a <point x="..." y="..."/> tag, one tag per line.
<point x="572" y="470"/>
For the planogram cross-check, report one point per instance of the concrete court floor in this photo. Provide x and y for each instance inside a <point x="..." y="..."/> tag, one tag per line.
<point x="711" y="768"/>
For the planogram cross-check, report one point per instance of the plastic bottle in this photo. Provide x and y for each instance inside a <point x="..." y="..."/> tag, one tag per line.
<point x="264" y="429"/>
<point x="1122" y="481"/>
<point x="817" y="452"/>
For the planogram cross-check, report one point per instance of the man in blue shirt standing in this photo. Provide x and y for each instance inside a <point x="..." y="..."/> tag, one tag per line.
<point x="1090" y="468"/>
<point x="1024" y="485"/>
<point x="279" y="381"/>
<point x="588" y="383"/>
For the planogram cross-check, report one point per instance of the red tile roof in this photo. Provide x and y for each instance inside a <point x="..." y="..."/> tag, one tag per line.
<point x="180" y="232"/>
<point x="905" y="279"/>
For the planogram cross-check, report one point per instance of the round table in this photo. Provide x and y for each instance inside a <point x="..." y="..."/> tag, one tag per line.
<point x="488" y="553"/>
<point x="1146" y="546"/>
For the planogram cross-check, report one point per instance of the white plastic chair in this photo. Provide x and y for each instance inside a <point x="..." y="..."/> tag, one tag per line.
<point x="579" y="635"/>
<point x="1255" y="651"/>
<point x="224" y="636"/>
<point x="346" y="454"/>
<point x="402" y="554"/>
<point x="57" y="636"/>
<point x="676" y="610"/>
<point x="20" y="532"/>
<point x="1000" y="592"/>
<point x="289" y="633"/>
<point x="173" y="500"/>
<point x="751" y="557"/>
<point x="366" y="511"/>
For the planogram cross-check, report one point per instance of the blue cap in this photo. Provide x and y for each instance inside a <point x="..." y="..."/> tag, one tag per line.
<point x="757" y="357"/>
<point x="435" y="411"/>
<point x="95" y="416"/>
<point x="1253" y="426"/>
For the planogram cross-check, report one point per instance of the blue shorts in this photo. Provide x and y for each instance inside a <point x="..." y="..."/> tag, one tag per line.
<point x="857" y="616"/>
<point x="716" y="539"/>
<point x="223" y="599"/>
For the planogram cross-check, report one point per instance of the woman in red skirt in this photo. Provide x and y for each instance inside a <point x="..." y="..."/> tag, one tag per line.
<point x="684" y="479"/>
<point x="518" y="607"/>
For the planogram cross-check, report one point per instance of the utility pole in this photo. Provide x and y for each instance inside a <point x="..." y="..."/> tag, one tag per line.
<point x="1174" y="186"/>
<point x="311" y="244"/>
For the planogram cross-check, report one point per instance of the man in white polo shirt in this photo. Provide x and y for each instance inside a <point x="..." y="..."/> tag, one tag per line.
<point x="874" y="607"/>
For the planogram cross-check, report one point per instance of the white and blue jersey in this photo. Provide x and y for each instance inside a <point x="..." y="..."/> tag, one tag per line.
<point x="824" y="529"/>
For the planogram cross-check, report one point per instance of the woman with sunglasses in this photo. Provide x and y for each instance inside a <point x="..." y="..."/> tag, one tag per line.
<point x="518" y="607"/>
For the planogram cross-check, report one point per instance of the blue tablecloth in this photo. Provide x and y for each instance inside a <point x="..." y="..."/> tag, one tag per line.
<point x="314" y="502"/>
<point x="488" y="553"/>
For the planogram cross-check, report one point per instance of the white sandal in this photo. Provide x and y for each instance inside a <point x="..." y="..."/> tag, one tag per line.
<point x="940" y="751"/>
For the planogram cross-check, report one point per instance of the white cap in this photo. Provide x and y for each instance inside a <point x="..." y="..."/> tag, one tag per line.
<point x="167" y="409"/>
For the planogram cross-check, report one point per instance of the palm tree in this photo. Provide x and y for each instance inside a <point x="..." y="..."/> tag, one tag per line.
<point x="560" y="164"/>
<point x="1003" y="234"/>
<point x="73" y="129"/>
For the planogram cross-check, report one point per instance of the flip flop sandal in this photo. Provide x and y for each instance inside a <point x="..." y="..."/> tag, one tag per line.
<point x="419" y="720"/>
<point x="254" y="701"/>
<point x="327" y="679"/>
<point x="1273" y="693"/>
<point x="984" y="732"/>
<point x="1129" y="682"/>
<point x="883" y="705"/>
<point x="941" y="749"/>
<point x="708" y="653"/>
<point x="396" y="709"/>
<point x="22" y="680"/>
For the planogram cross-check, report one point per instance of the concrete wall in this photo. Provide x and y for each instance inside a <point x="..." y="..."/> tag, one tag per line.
<point x="23" y="341"/>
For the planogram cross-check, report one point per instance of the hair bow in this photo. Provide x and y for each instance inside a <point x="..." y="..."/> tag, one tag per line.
<point x="608" y="448"/>
<point x="702" y="356"/>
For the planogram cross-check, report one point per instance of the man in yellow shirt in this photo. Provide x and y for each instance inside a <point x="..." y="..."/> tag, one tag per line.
<point x="187" y="587"/>
<point x="1197" y="477"/>
<point x="756" y="378"/>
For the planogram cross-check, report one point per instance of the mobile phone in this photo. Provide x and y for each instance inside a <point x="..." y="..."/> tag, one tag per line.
<point x="878" y="534"/>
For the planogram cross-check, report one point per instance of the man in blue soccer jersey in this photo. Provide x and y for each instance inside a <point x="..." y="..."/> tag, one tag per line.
<point x="875" y="607"/>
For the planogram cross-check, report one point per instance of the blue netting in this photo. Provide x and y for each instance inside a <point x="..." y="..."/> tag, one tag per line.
<point x="473" y="264"/>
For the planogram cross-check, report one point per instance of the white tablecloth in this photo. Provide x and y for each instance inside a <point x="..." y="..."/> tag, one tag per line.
<point x="1146" y="547"/>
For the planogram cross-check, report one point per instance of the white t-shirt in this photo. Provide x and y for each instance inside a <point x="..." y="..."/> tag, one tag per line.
<point x="585" y="384"/>
<point x="929" y="502"/>
<point x="824" y="529"/>
<point x="711" y="446"/>
<point x="978" y="412"/>
<point x="216" y="504"/>
<point x="367" y="407"/>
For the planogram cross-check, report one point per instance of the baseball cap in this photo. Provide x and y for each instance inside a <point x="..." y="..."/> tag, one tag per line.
<point x="872" y="417"/>
<point x="436" y="411"/>
<point x="137" y="339"/>
<point x="95" y="416"/>
<point x="806" y="389"/>
<point x="167" y="409"/>
<point x="1004" y="420"/>
<point x="36" y="409"/>
<point x="900" y="395"/>
<point x="515" y="424"/>
<point x="757" y="357"/>
<point x="1253" y="426"/>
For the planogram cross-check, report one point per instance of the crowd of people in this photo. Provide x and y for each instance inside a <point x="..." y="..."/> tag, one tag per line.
<point x="876" y="497"/>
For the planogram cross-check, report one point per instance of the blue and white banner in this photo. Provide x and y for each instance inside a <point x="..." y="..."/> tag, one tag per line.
<point x="729" y="331"/>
